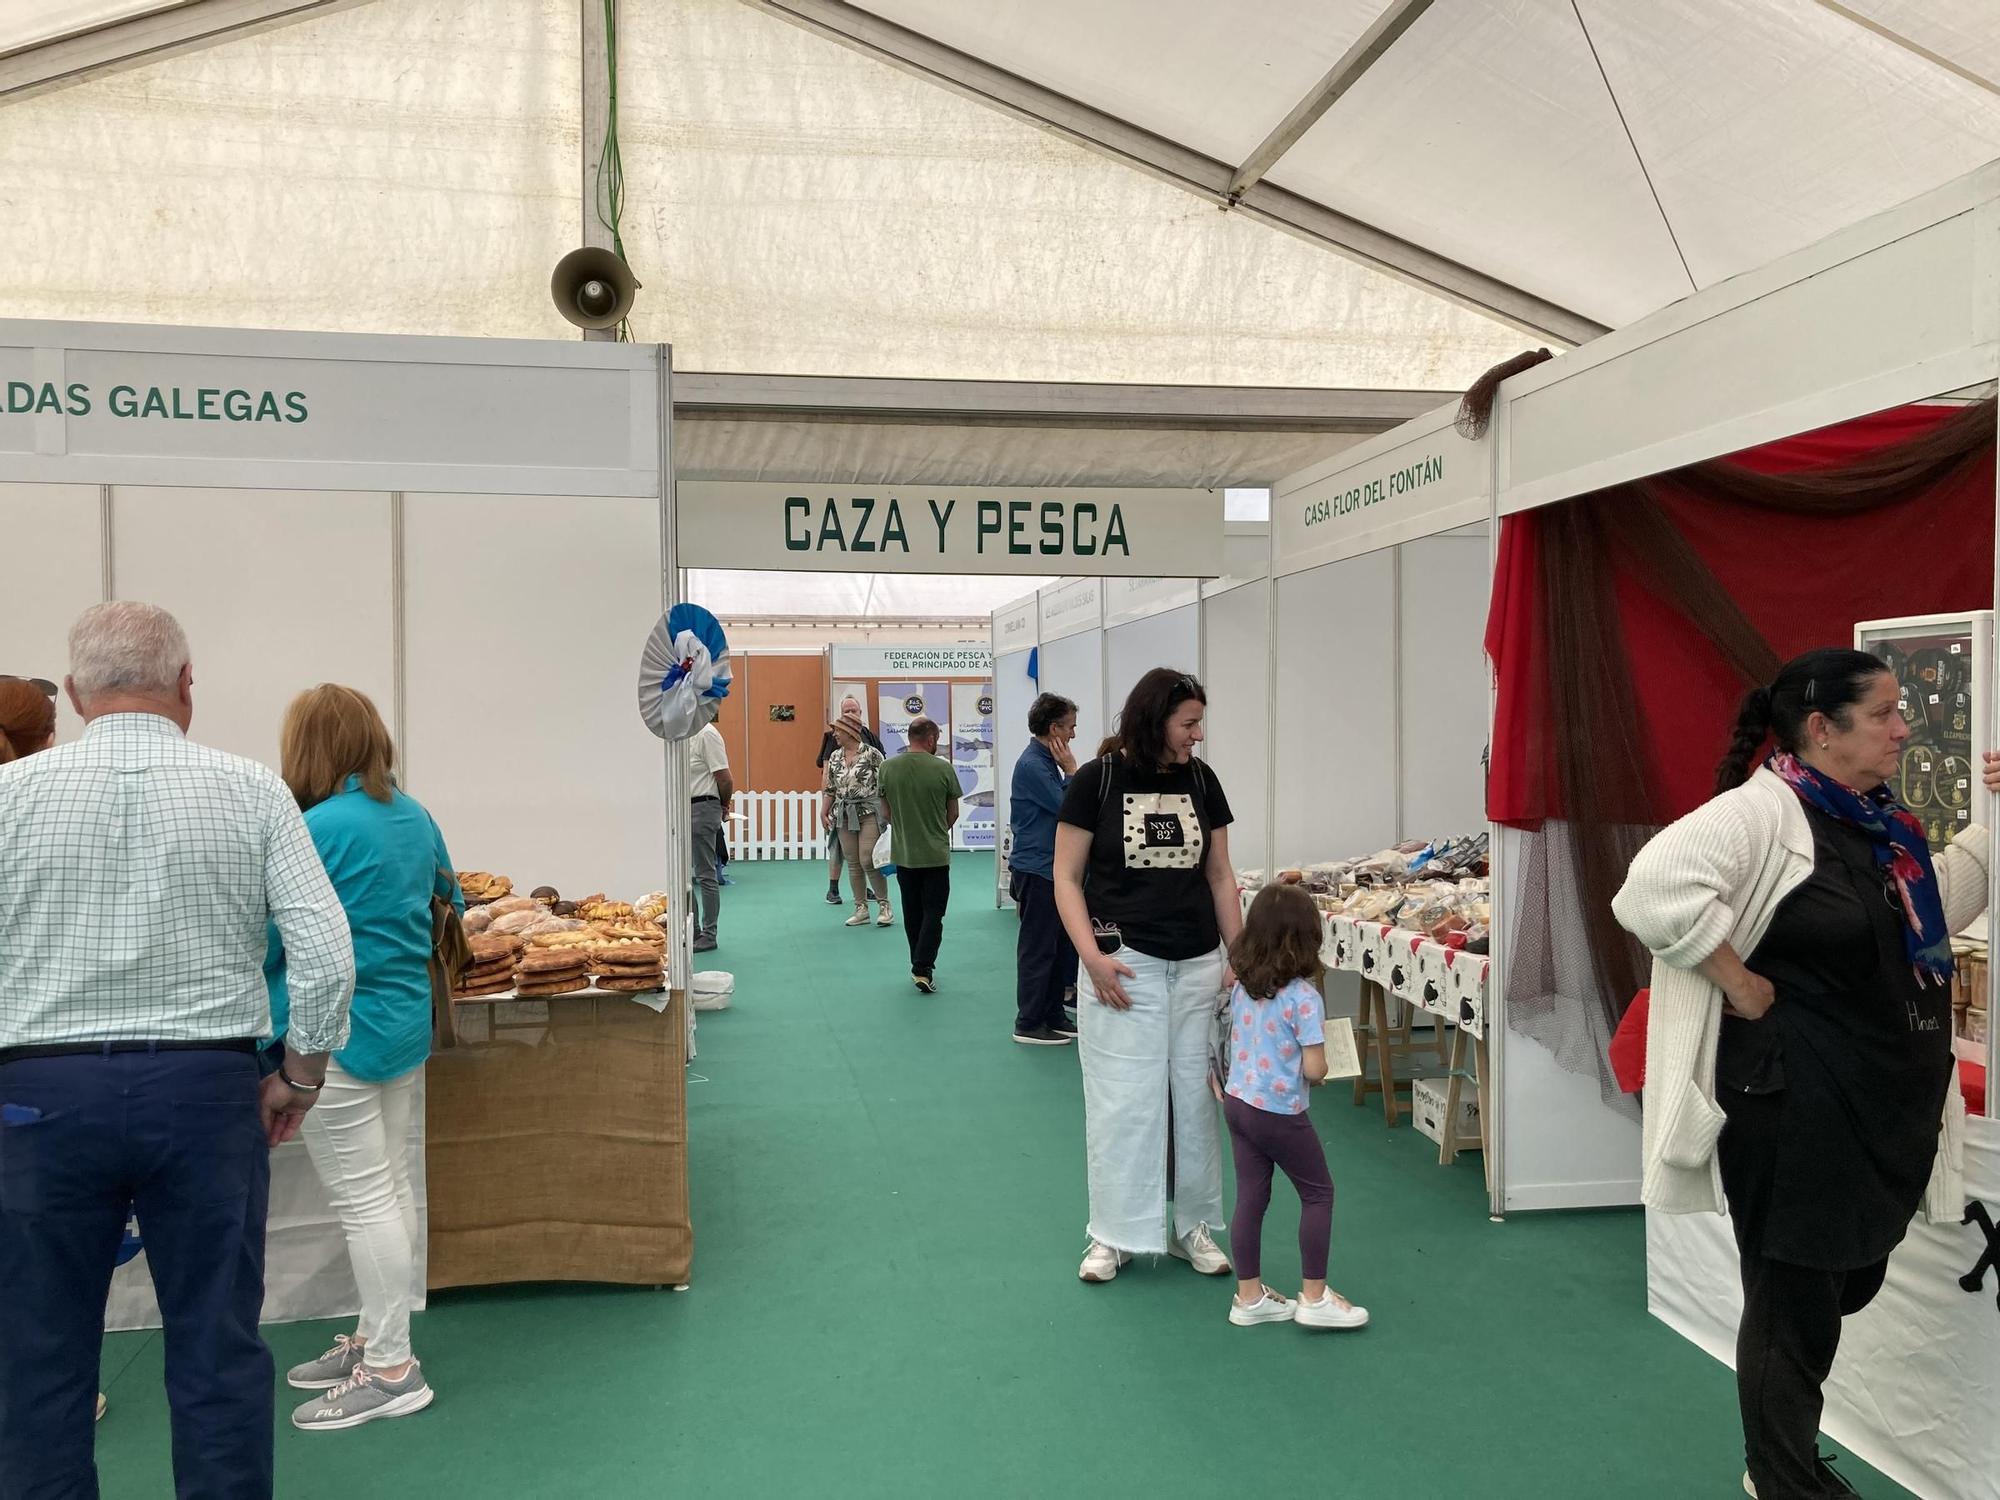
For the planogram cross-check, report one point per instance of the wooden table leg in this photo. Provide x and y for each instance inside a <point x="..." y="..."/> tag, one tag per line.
<point x="1385" y="1060"/>
<point x="1453" y="1093"/>
<point x="1364" y="1035"/>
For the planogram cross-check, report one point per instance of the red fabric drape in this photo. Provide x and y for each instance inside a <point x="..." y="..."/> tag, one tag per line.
<point x="1802" y="580"/>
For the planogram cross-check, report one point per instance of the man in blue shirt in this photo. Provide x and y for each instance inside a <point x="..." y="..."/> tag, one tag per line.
<point x="1045" y="962"/>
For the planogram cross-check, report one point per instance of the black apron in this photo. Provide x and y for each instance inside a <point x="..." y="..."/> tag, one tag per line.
<point x="1834" y="1098"/>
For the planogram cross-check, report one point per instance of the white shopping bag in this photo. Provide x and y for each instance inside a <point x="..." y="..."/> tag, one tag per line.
<point x="882" y="847"/>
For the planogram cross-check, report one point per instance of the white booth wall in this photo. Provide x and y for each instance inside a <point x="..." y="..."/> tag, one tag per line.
<point x="519" y="643"/>
<point x="1334" y="734"/>
<point x="1133" y="648"/>
<point x="55" y="535"/>
<point x="1014" y="691"/>
<point x="1235" y="650"/>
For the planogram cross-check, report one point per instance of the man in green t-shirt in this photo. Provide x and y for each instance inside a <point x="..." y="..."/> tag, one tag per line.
<point x="920" y="803"/>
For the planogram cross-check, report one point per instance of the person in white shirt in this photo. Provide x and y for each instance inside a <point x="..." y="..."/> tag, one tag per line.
<point x="711" y="791"/>
<point x="137" y="873"/>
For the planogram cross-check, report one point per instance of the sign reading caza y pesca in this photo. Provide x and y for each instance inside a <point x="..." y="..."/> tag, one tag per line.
<point x="926" y="529"/>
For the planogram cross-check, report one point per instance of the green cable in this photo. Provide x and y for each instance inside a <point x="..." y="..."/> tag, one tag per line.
<point x="610" y="161"/>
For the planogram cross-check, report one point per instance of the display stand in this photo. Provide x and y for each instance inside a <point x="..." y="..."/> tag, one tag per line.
<point x="1380" y="565"/>
<point x="486" y="522"/>
<point x="541" y="1168"/>
<point x="1897" y="309"/>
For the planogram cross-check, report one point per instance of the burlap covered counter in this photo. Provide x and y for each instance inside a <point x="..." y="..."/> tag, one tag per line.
<point x="558" y="1143"/>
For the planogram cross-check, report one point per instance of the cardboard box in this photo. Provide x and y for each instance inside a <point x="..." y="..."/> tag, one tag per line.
<point x="1427" y="1099"/>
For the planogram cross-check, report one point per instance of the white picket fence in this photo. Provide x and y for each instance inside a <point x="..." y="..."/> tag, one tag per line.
<point x="777" y="825"/>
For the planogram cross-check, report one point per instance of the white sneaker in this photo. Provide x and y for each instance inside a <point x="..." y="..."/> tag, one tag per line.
<point x="1330" y="1312"/>
<point x="859" y="919"/>
<point x="888" y="917"/>
<point x="1101" y="1263"/>
<point x="1749" y="1485"/>
<point x="1269" y="1308"/>
<point x="1199" y="1250"/>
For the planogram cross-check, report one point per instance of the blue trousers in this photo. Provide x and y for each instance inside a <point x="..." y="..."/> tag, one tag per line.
<point x="84" y="1142"/>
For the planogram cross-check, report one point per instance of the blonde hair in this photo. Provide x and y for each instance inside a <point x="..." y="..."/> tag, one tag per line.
<point x="331" y="733"/>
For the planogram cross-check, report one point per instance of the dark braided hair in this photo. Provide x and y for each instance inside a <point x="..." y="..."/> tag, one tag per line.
<point x="1830" y="681"/>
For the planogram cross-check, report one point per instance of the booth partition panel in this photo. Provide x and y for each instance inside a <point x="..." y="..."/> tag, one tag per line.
<point x="1235" y="644"/>
<point x="1013" y="693"/>
<point x="278" y="590"/>
<point x="55" y="549"/>
<point x="1445" y="585"/>
<point x="1336" y="711"/>
<point x="1171" y="638"/>
<point x="524" y="618"/>
<point x="1074" y="667"/>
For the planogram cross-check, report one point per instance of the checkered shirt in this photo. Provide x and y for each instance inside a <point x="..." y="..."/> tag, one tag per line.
<point x="137" y="871"/>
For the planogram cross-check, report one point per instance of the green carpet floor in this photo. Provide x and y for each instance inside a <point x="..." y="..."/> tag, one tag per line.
<point x="889" y="1208"/>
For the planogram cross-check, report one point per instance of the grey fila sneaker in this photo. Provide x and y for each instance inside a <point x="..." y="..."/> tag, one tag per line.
<point x="332" y="1367"/>
<point x="1199" y="1250"/>
<point x="363" y="1397"/>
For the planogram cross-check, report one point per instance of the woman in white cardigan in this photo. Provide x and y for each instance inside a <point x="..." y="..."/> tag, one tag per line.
<point x="1798" y="1047"/>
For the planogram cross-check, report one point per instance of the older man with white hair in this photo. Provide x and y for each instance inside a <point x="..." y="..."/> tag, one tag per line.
<point x="137" y="871"/>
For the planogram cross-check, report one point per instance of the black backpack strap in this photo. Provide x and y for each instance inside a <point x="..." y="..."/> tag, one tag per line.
<point x="1104" y="785"/>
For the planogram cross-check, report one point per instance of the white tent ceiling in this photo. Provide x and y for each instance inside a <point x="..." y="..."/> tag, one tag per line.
<point x="951" y="193"/>
<point x="1606" y="155"/>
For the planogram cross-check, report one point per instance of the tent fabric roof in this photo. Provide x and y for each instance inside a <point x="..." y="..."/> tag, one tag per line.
<point x="31" y="23"/>
<point x="1608" y="156"/>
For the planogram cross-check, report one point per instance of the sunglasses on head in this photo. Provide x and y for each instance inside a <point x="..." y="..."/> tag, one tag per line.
<point x="46" y="687"/>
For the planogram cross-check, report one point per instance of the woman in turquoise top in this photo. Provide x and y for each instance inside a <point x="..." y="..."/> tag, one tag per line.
<point x="386" y="860"/>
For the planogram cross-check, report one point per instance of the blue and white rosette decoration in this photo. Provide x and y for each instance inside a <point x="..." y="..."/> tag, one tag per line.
<point x="683" y="673"/>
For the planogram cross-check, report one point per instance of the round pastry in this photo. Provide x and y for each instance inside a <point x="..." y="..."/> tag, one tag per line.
<point x="634" y="986"/>
<point x="551" y="961"/>
<point x="567" y="938"/>
<point x="548" y="895"/>
<point x="619" y="932"/>
<point x="561" y="987"/>
<point x="492" y="945"/>
<point x="492" y="987"/>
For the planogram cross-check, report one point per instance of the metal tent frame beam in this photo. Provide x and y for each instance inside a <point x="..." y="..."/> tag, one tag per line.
<point x="1045" y="404"/>
<point x="149" y="38"/>
<point x="1177" y="164"/>
<point x="1342" y="76"/>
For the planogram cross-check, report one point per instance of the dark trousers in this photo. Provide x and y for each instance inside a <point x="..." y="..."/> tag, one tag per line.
<point x="1260" y="1141"/>
<point x="1784" y="1351"/>
<point x="84" y="1141"/>
<point x="1044" y="958"/>
<point x="926" y="893"/>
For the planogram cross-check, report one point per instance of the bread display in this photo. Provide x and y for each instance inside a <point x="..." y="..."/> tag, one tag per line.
<point x="480" y="886"/>
<point x="539" y="946"/>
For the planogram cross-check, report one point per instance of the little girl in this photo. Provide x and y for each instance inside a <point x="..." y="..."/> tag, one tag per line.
<point x="1276" y="1053"/>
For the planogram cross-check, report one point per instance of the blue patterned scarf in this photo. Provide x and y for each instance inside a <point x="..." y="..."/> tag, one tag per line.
<point x="1901" y="853"/>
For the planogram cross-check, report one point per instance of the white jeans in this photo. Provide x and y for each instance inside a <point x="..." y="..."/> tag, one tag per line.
<point x="359" y="1137"/>
<point x="1132" y="1059"/>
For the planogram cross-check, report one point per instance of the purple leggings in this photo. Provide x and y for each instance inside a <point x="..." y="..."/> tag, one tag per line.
<point x="1262" y="1140"/>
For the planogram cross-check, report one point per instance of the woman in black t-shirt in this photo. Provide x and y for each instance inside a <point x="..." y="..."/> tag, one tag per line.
<point x="1148" y="896"/>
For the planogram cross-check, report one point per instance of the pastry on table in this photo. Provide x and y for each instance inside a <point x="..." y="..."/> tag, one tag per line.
<point x="633" y="985"/>
<point x="478" y="885"/>
<point x="487" y="946"/>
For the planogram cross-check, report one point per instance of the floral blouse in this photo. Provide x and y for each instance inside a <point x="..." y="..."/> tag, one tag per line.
<point x="854" y="786"/>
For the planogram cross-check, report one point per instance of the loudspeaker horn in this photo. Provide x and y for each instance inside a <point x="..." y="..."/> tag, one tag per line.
<point x="593" y="288"/>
